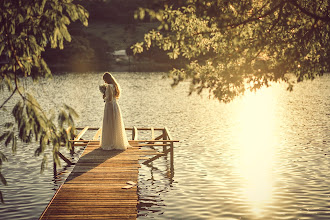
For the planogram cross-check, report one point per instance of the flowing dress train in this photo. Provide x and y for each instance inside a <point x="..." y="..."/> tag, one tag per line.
<point x="113" y="129"/>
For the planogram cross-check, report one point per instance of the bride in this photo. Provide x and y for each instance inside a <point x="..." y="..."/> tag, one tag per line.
<point x="113" y="129"/>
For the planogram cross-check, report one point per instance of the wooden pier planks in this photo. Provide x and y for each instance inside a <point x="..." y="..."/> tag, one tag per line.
<point x="93" y="190"/>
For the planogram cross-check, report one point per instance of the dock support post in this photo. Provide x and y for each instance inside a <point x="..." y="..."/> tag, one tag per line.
<point x="134" y="133"/>
<point x="172" y="159"/>
<point x="165" y="137"/>
<point x="54" y="169"/>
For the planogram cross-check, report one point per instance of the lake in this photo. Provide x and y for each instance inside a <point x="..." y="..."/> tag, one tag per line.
<point x="265" y="155"/>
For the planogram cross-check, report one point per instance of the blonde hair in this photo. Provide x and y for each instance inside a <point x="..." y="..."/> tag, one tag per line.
<point x="108" y="78"/>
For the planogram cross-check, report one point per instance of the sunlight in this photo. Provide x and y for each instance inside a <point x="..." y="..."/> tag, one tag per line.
<point x="256" y="141"/>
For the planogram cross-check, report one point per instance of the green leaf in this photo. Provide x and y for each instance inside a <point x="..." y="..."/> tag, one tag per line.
<point x="20" y="18"/>
<point x="2" y="47"/>
<point x="44" y="164"/>
<point x="137" y="48"/>
<point x="159" y="17"/>
<point x="71" y="111"/>
<point x="142" y="13"/>
<point x="14" y="145"/>
<point x="9" y="138"/>
<point x="62" y="118"/>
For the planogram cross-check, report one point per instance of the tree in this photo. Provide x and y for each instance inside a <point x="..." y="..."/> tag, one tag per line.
<point x="236" y="45"/>
<point x="26" y="28"/>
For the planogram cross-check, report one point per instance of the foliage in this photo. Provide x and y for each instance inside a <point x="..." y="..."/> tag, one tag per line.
<point x="116" y="11"/>
<point x="234" y="46"/>
<point x="78" y="49"/>
<point x="85" y="52"/>
<point x="26" y="28"/>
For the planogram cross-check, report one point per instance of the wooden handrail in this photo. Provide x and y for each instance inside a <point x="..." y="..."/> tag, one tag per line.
<point x="168" y="133"/>
<point x="98" y="133"/>
<point x="64" y="158"/>
<point x="156" y="157"/>
<point x="151" y="145"/>
<point x="94" y="128"/>
<point x="90" y="128"/>
<point x="146" y="129"/>
<point x="163" y="140"/>
<point x="81" y="133"/>
<point x="84" y="141"/>
<point x="154" y="140"/>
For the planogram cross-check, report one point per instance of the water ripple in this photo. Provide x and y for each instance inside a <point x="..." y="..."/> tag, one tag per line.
<point x="228" y="164"/>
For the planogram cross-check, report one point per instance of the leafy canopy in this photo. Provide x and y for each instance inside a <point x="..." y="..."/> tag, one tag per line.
<point x="234" y="46"/>
<point x="26" y="29"/>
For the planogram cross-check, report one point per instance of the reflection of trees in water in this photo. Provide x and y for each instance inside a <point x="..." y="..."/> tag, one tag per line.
<point x="60" y="174"/>
<point x="151" y="191"/>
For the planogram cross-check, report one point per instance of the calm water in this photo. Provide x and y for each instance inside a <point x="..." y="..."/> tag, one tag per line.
<point x="263" y="156"/>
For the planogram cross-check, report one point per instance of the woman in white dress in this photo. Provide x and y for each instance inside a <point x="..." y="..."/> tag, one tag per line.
<point x="113" y="129"/>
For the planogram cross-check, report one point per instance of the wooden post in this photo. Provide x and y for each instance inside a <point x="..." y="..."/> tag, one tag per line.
<point x="97" y="134"/>
<point x="78" y="138"/>
<point x="134" y="133"/>
<point x="164" y="138"/>
<point x="54" y="170"/>
<point x="152" y="133"/>
<point x="64" y="158"/>
<point x="172" y="159"/>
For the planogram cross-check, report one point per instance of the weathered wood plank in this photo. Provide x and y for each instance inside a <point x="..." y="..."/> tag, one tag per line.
<point x="95" y="129"/>
<point x="92" y="211"/>
<point x="95" y="202"/>
<point x="64" y="158"/>
<point x="94" y="190"/>
<point x="98" y="134"/>
<point x="168" y="134"/>
<point x="151" y="144"/>
<point x="116" y="163"/>
<point x="144" y="141"/>
<point x="79" y="136"/>
<point x="91" y="217"/>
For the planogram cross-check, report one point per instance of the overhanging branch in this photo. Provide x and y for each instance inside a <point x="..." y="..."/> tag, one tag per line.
<point x="3" y="104"/>
<point x="308" y="13"/>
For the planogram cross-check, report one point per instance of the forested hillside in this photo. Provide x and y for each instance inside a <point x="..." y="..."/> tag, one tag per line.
<point x="111" y="27"/>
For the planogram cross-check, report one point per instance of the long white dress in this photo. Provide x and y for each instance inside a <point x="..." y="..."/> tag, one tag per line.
<point x="113" y="129"/>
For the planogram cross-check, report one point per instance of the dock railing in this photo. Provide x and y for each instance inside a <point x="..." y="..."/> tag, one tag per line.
<point x="163" y="143"/>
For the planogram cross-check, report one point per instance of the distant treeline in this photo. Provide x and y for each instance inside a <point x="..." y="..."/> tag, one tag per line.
<point x="117" y="11"/>
<point x="90" y="52"/>
<point x="84" y="52"/>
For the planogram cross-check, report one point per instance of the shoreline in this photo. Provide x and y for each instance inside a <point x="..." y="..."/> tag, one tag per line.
<point x="115" y="67"/>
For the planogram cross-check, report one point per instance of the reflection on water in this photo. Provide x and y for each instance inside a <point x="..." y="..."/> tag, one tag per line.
<point x="151" y="202"/>
<point x="257" y="142"/>
<point x="263" y="156"/>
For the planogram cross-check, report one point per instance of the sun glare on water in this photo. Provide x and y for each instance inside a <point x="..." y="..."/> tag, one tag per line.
<point x="257" y="140"/>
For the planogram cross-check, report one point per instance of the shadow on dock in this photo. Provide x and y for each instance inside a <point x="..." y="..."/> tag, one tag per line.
<point x="92" y="159"/>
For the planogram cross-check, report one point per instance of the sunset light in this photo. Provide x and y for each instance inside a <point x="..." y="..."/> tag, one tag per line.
<point x="257" y="141"/>
<point x="154" y="109"/>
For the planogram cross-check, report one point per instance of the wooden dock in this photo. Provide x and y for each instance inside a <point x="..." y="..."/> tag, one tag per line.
<point x="103" y="184"/>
